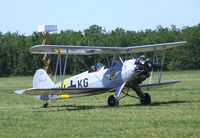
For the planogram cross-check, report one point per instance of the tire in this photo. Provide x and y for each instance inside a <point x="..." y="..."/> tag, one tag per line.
<point x="146" y="100"/>
<point x="113" y="101"/>
<point x="45" y="105"/>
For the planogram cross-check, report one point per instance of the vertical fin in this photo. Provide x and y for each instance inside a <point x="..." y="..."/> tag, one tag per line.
<point x="42" y="80"/>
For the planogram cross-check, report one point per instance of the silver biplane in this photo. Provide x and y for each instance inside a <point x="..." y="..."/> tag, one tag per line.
<point x="100" y="79"/>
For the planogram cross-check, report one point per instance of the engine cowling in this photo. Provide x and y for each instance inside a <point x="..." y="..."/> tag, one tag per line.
<point x="142" y="69"/>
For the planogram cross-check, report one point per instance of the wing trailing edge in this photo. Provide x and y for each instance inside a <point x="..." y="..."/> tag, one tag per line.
<point x="91" y="50"/>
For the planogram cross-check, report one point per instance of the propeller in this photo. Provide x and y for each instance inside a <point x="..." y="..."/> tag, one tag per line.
<point x="143" y="68"/>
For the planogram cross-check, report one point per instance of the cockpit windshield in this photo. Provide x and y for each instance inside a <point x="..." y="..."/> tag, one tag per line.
<point x="99" y="66"/>
<point x="96" y="67"/>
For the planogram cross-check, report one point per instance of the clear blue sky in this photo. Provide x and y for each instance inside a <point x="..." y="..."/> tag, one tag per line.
<point x="24" y="16"/>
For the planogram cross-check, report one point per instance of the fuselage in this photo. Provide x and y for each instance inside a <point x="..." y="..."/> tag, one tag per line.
<point x="102" y="77"/>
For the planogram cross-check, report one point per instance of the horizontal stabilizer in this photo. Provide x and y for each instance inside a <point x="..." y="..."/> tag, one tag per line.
<point x="19" y="91"/>
<point x="157" y="85"/>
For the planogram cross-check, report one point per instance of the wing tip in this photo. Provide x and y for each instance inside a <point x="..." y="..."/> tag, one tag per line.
<point x="19" y="91"/>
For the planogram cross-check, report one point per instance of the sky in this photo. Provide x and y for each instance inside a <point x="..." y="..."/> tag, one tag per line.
<point x="24" y="16"/>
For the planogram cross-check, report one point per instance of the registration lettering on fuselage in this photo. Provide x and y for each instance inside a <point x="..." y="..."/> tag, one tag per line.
<point x="81" y="83"/>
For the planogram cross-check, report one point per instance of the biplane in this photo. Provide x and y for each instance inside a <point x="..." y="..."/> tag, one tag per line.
<point x="99" y="79"/>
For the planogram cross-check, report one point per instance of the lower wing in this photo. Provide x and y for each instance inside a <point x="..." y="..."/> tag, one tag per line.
<point x="60" y="91"/>
<point x="88" y="91"/>
<point x="156" y="85"/>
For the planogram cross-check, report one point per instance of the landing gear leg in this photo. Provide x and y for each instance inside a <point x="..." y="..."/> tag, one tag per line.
<point x="113" y="101"/>
<point x="145" y="98"/>
<point x="45" y="105"/>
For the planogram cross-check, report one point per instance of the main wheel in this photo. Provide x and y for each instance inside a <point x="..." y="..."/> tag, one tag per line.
<point x="45" y="105"/>
<point x="113" y="101"/>
<point x="146" y="100"/>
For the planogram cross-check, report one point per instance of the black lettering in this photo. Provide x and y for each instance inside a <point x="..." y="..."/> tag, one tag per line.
<point x="71" y="84"/>
<point x="85" y="82"/>
<point x="80" y="84"/>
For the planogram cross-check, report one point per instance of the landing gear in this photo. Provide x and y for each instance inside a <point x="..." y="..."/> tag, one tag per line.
<point x="45" y="105"/>
<point x="146" y="100"/>
<point x="113" y="101"/>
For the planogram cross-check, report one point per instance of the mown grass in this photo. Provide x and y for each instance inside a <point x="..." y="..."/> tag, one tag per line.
<point x="174" y="112"/>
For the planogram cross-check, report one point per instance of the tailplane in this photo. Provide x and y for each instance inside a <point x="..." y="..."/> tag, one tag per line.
<point x="42" y="80"/>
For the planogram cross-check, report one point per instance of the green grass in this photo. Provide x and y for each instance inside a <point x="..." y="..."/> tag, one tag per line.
<point x="174" y="112"/>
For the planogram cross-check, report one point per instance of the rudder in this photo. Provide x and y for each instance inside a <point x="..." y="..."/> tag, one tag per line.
<point x="42" y="80"/>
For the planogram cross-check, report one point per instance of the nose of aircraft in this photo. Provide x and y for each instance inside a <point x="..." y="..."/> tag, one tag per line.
<point x="143" y="68"/>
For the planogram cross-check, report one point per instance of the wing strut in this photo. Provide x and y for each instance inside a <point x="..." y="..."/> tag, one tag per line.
<point x="108" y="62"/>
<point x="59" y="64"/>
<point x="159" y="67"/>
<point x="56" y="70"/>
<point x="65" y="66"/>
<point x="161" y="70"/>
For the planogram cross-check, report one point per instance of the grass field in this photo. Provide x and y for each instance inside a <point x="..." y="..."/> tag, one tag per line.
<point x="174" y="112"/>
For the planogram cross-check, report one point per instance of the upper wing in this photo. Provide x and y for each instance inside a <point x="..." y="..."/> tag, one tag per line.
<point x="89" y="50"/>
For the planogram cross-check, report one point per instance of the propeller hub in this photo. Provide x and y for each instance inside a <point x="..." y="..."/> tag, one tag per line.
<point x="143" y="68"/>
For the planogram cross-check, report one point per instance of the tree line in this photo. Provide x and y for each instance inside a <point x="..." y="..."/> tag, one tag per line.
<point x="15" y="58"/>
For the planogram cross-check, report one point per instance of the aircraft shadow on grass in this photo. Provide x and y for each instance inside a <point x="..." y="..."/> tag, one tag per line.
<point x="91" y="107"/>
<point x="166" y="103"/>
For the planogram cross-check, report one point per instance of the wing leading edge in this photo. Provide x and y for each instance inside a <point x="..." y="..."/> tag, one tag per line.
<point x="156" y="85"/>
<point x="59" y="91"/>
<point x="90" y="50"/>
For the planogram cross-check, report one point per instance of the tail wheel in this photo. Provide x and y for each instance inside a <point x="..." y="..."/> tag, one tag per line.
<point x="113" y="101"/>
<point x="146" y="100"/>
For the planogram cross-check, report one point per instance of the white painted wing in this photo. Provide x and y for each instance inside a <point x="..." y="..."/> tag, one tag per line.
<point x="157" y="85"/>
<point x="59" y="91"/>
<point x="87" y="91"/>
<point x="90" y="50"/>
